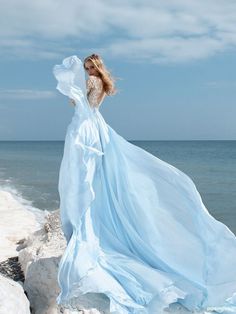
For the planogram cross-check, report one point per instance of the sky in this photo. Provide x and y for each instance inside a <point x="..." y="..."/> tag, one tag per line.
<point x="174" y="64"/>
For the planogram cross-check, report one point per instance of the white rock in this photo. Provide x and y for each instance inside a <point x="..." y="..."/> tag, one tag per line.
<point x="39" y="254"/>
<point x="40" y="259"/>
<point x="12" y="297"/>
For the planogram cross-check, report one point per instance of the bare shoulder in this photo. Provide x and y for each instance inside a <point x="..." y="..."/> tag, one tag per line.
<point x="95" y="78"/>
<point x="92" y="79"/>
<point x="95" y="81"/>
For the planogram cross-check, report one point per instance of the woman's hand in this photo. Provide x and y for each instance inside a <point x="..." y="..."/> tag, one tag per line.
<point x="72" y="102"/>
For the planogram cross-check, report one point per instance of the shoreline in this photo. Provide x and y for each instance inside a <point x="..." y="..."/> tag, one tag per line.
<point x="18" y="221"/>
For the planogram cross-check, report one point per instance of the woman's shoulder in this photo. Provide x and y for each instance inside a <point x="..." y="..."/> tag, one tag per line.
<point x="94" y="81"/>
<point x="94" y="78"/>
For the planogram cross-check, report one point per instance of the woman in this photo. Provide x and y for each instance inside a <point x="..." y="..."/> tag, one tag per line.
<point x="136" y="227"/>
<point x="100" y="83"/>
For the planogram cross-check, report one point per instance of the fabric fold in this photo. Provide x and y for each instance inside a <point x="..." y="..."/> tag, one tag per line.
<point x="136" y="227"/>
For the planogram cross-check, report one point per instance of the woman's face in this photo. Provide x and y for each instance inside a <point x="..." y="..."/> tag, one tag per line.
<point x="90" y="68"/>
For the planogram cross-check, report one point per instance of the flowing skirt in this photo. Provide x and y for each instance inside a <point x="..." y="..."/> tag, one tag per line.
<point x="137" y="229"/>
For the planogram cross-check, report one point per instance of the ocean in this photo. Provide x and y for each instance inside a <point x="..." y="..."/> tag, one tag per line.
<point x="29" y="171"/>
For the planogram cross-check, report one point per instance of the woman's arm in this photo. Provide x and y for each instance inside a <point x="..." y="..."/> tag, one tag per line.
<point x="90" y="83"/>
<point x="89" y="86"/>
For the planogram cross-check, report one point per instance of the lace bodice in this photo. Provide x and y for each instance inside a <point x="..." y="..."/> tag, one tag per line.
<point x="95" y="92"/>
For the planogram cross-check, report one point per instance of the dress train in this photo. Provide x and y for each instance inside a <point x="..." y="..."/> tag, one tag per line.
<point x="136" y="227"/>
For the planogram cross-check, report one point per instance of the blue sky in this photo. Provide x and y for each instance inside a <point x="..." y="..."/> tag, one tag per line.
<point x="175" y="63"/>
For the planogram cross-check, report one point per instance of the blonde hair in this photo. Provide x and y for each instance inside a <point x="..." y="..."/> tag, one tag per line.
<point x="103" y="73"/>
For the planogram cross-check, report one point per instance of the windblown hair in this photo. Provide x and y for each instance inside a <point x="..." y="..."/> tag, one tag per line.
<point x="103" y="73"/>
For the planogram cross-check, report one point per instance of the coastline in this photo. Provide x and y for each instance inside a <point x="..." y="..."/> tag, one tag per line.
<point x="39" y="255"/>
<point x="18" y="221"/>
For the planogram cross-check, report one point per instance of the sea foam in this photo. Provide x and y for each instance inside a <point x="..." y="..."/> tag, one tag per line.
<point x="18" y="219"/>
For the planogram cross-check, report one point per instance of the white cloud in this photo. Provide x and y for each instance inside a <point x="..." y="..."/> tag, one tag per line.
<point x="160" y="31"/>
<point x="164" y="50"/>
<point x="26" y="94"/>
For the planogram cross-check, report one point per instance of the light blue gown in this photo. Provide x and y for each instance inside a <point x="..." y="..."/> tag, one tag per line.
<point x="136" y="227"/>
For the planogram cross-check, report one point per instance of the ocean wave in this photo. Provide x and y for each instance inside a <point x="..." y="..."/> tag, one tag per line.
<point x="7" y="186"/>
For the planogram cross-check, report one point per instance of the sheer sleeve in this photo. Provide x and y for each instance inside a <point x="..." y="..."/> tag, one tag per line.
<point x="95" y="92"/>
<point x="90" y="83"/>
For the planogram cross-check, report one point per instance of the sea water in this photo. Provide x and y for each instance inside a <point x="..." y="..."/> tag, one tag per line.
<point x="29" y="170"/>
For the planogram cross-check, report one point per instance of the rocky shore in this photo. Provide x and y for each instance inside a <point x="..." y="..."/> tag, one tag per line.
<point x="29" y="259"/>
